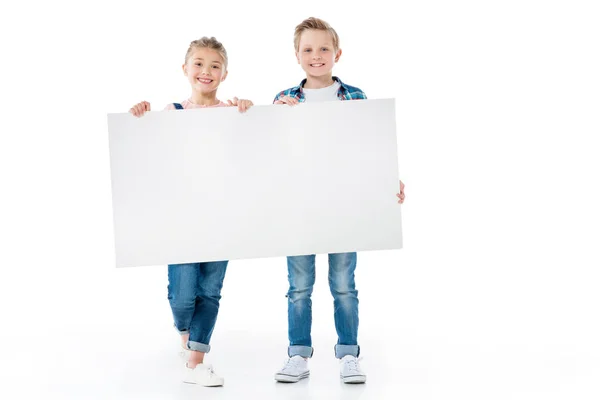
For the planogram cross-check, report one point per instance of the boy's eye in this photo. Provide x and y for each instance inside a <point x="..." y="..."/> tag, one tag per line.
<point x="307" y="50"/>
<point x="215" y="66"/>
<point x="199" y="64"/>
<point x="324" y="48"/>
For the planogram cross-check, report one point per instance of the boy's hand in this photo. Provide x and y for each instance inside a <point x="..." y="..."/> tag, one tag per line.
<point x="401" y="194"/>
<point x="242" y="104"/>
<point x="139" y="109"/>
<point x="291" y="101"/>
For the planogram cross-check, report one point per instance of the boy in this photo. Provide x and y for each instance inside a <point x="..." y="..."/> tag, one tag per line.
<point x="317" y="50"/>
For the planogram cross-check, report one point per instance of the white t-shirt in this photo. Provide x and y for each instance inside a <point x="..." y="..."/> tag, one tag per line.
<point x="328" y="93"/>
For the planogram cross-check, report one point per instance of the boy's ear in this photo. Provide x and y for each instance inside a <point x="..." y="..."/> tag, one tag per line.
<point x="224" y="75"/>
<point x="338" y="55"/>
<point x="298" y="57"/>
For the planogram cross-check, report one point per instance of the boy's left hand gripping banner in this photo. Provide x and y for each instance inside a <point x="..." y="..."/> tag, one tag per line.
<point x="215" y="184"/>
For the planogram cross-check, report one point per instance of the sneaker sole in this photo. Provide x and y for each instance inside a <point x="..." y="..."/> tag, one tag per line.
<point x="354" y="379"/>
<point x="210" y="385"/>
<point x="291" y="378"/>
<point x="193" y="382"/>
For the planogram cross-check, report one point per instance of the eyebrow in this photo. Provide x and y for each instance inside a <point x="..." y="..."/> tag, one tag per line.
<point x="323" y="45"/>
<point x="202" y="59"/>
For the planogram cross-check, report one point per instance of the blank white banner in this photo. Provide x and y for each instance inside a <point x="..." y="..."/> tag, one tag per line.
<point x="215" y="184"/>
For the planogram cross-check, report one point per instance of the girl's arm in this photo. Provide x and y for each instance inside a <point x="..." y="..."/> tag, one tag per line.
<point x="242" y="104"/>
<point x="140" y="108"/>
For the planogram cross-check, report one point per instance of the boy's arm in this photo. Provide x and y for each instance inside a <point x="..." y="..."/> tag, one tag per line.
<point x="401" y="194"/>
<point x="278" y="97"/>
<point x="284" y="98"/>
<point x="354" y="93"/>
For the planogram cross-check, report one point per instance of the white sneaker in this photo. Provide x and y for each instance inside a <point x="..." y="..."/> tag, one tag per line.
<point x="294" y="369"/>
<point x="203" y="375"/>
<point x="350" y="370"/>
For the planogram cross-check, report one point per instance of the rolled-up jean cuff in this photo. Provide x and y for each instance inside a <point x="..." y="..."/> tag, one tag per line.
<point x="342" y="350"/>
<point x="196" y="346"/>
<point x="302" y="351"/>
<point x="183" y="332"/>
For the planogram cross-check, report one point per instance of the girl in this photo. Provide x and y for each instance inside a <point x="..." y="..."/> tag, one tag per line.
<point x="194" y="289"/>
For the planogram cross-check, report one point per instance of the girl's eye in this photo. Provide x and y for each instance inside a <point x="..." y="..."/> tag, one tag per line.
<point x="215" y="66"/>
<point x="199" y="64"/>
<point x="306" y="50"/>
<point x="324" y="49"/>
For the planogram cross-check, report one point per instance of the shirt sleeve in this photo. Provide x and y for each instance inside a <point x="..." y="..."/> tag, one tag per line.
<point x="278" y="96"/>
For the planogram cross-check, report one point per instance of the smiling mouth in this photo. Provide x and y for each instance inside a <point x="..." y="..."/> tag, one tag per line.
<point x="203" y="80"/>
<point x="317" y="65"/>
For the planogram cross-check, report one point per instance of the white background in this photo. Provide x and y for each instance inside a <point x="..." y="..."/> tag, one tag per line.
<point x="495" y="294"/>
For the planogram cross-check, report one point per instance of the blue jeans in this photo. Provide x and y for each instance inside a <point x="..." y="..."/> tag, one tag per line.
<point x="301" y="275"/>
<point x="194" y="292"/>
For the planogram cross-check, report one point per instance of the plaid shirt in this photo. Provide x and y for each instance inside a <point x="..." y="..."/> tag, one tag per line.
<point x="345" y="92"/>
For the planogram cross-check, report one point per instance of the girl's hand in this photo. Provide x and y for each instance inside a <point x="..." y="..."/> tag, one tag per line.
<point x="291" y="101"/>
<point x="401" y="194"/>
<point x="139" y="109"/>
<point x="242" y="104"/>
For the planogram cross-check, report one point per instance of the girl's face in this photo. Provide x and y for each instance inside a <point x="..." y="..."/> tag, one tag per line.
<point x="205" y="70"/>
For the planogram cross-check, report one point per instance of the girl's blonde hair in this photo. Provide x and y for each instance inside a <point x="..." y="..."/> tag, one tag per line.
<point x="319" y="24"/>
<point x="207" y="43"/>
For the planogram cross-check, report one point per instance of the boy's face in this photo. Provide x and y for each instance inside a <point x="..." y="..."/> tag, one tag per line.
<point x="316" y="54"/>
<point x="205" y="70"/>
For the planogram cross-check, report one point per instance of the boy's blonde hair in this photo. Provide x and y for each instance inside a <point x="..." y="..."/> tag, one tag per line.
<point x="319" y="24"/>
<point x="207" y="43"/>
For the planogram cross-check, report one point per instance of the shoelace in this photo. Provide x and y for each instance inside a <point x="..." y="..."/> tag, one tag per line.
<point x="209" y="369"/>
<point x="289" y="364"/>
<point x="353" y="365"/>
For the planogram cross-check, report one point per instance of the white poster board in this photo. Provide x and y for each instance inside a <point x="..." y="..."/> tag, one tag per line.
<point x="216" y="184"/>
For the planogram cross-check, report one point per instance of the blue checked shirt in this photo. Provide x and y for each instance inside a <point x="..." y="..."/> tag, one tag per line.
<point x="345" y="92"/>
